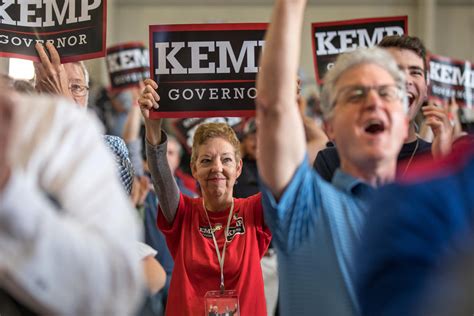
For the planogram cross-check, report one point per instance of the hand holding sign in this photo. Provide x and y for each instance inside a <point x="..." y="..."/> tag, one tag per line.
<point x="51" y="75"/>
<point x="149" y="98"/>
<point x="147" y="101"/>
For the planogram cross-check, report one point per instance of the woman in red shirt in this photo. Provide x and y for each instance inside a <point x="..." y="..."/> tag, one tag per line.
<point x="217" y="241"/>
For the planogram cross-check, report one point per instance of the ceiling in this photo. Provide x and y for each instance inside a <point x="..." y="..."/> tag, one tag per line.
<point x="269" y="2"/>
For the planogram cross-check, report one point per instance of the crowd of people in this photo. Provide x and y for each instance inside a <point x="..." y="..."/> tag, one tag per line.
<point x="349" y="210"/>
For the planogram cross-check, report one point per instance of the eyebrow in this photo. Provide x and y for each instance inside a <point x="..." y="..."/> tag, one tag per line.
<point x="415" y="68"/>
<point x="411" y="68"/>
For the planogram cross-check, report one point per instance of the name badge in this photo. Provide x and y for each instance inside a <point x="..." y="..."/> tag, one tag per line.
<point x="220" y="303"/>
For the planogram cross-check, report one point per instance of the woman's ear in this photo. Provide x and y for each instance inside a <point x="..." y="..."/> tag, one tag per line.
<point x="239" y="167"/>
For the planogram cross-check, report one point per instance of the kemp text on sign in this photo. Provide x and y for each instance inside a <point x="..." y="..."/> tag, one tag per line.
<point x="333" y="38"/>
<point x="77" y="28"/>
<point x="451" y="78"/>
<point x="206" y="70"/>
<point x="127" y="64"/>
<point x="186" y="127"/>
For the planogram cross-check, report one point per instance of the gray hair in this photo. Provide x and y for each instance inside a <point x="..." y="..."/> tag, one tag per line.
<point x="84" y="70"/>
<point x="346" y="61"/>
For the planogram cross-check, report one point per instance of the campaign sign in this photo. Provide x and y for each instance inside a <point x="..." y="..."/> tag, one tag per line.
<point x="127" y="64"/>
<point x="206" y="70"/>
<point x="333" y="38"/>
<point x="186" y="127"/>
<point x="450" y="77"/>
<point x="75" y="27"/>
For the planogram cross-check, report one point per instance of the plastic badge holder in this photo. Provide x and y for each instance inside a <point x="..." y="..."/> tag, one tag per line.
<point x="222" y="303"/>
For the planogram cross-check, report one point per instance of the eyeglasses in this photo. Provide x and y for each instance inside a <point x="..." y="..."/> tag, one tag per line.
<point x="78" y="90"/>
<point x="358" y="94"/>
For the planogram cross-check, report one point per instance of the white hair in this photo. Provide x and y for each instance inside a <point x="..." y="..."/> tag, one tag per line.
<point x="346" y="61"/>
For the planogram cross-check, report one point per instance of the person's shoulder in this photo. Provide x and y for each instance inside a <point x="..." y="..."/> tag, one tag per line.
<point x="253" y="199"/>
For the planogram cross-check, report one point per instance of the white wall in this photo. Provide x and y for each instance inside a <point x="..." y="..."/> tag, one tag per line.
<point x="455" y="32"/>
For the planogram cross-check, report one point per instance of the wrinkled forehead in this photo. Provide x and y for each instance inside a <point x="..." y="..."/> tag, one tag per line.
<point x="215" y="146"/>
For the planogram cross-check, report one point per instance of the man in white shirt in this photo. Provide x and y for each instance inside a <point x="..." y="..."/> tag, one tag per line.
<point x="67" y="228"/>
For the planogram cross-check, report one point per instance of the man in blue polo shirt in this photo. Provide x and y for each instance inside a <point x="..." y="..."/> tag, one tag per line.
<point x="315" y="224"/>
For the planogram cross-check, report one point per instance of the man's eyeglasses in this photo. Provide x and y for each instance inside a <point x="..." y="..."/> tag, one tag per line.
<point x="358" y="94"/>
<point x="78" y="90"/>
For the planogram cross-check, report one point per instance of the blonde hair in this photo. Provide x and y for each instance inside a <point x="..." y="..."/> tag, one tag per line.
<point x="208" y="131"/>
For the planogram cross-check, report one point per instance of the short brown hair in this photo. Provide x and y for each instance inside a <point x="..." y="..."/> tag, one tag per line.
<point x="412" y="43"/>
<point x="208" y="131"/>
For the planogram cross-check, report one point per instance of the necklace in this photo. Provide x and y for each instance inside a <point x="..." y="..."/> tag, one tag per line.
<point x="411" y="157"/>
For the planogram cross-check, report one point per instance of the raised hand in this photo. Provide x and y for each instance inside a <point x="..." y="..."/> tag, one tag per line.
<point x="149" y="100"/>
<point x="437" y="118"/>
<point x="51" y="75"/>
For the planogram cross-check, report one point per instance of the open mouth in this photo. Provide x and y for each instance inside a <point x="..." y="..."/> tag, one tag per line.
<point x="411" y="98"/>
<point x="374" y="126"/>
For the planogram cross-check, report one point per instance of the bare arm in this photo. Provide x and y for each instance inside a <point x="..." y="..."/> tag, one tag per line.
<point x="282" y="147"/>
<point x="131" y="129"/>
<point x="163" y="180"/>
<point x="155" y="275"/>
<point x="131" y="136"/>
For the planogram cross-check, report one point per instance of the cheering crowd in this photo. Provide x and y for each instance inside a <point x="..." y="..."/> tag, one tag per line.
<point x="369" y="213"/>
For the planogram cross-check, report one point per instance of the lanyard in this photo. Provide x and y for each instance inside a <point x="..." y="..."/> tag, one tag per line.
<point x="220" y="257"/>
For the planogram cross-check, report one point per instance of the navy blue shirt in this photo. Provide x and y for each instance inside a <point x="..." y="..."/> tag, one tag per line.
<point x="410" y="228"/>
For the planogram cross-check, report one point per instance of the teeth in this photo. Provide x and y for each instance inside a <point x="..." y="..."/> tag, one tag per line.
<point x="374" y="122"/>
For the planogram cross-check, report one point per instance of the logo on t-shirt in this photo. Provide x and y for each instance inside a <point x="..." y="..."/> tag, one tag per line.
<point x="238" y="228"/>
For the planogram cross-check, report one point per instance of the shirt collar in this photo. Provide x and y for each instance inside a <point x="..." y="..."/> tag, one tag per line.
<point x="349" y="184"/>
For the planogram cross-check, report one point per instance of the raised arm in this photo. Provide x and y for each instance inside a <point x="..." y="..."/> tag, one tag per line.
<point x="280" y="134"/>
<point x="437" y="118"/>
<point x="156" y="146"/>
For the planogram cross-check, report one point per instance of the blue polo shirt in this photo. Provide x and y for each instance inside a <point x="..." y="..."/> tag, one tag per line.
<point x="315" y="225"/>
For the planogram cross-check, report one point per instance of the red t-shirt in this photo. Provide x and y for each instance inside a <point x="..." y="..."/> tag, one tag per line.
<point x="196" y="268"/>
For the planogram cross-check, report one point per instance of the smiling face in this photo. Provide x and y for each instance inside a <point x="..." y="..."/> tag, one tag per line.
<point x="367" y="127"/>
<point x="216" y="168"/>
<point x="413" y="67"/>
